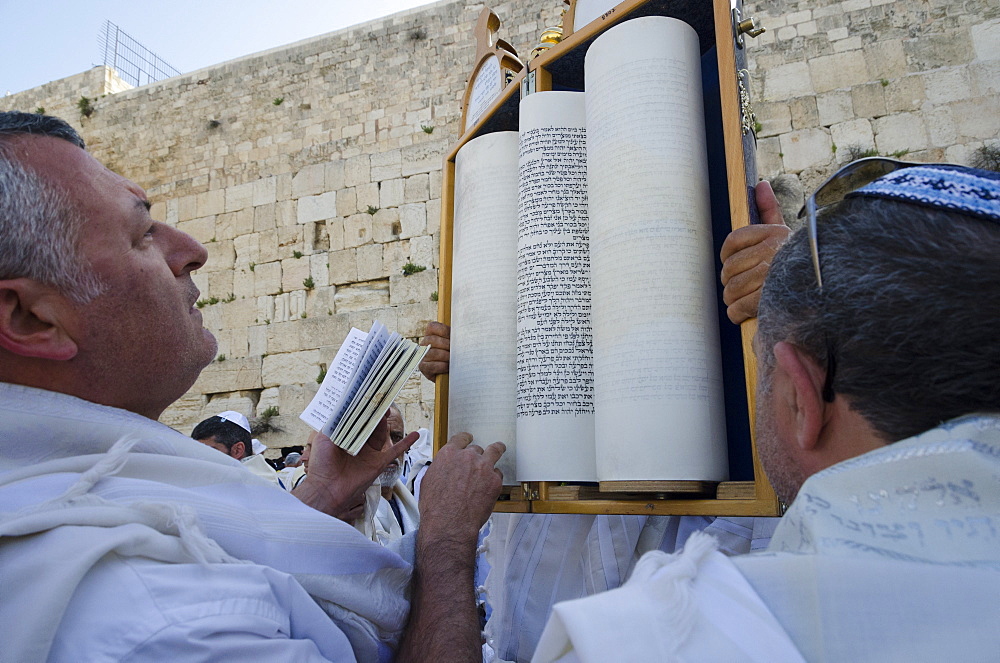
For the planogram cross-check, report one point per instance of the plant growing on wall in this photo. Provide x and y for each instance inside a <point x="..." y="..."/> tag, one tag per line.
<point x="86" y="109"/>
<point x="277" y="101"/>
<point x="427" y="129"/>
<point x="410" y="268"/>
<point x="309" y="283"/>
<point x="372" y="210"/>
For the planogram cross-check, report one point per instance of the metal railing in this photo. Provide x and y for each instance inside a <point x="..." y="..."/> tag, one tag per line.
<point x="135" y="64"/>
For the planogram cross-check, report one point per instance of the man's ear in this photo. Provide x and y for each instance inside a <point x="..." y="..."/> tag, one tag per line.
<point x="238" y="451"/>
<point x="33" y="321"/>
<point x="802" y="380"/>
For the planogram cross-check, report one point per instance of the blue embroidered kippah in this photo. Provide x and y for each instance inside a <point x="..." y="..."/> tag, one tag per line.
<point x="968" y="190"/>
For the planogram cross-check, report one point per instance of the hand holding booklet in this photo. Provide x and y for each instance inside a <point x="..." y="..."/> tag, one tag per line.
<point x="365" y="377"/>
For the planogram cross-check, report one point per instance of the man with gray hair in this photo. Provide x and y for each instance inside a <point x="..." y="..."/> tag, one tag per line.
<point x="878" y="419"/>
<point x="125" y="539"/>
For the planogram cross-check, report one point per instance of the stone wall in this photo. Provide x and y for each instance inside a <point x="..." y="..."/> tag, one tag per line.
<point x="312" y="172"/>
<point x="919" y="79"/>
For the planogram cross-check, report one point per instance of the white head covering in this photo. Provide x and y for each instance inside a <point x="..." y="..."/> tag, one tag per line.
<point x="236" y="418"/>
<point x="258" y="446"/>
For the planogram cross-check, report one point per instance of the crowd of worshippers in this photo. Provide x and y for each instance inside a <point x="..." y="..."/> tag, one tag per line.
<point x="877" y="421"/>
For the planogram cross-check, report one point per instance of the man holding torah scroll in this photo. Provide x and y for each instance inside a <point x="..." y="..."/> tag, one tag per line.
<point x="878" y="412"/>
<point x="124" y="539"/>
<point x="539" y="559"/>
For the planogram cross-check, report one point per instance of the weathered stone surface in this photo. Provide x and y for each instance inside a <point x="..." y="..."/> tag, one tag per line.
<point x="986" y="40"/>
<point x="787" y="81"/>
<point x="230" y="375"/>
<point x="289" y="367"/>
<point x="391" y="193"/>
<point x="317" y="208"/>
<point x="309" y="181"/>
<point x="362" y="296"/>
<point x="413" y="288"/>
<point x="807" y="148"/>
<point x="855" y="133"/>
<point x="840" y="70"/>
<point x="895" y="133"/>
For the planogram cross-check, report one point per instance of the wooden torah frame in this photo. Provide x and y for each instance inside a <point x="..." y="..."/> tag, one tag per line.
<point x="564" y="62"/>
<point x="490" y="47"/>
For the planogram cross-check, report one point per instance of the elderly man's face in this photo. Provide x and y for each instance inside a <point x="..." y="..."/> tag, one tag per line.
<point x="141" y="343"/>
<point x="396" y="433"/>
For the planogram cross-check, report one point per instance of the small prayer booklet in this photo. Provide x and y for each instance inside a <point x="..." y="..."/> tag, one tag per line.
<point x="365" y="377"/>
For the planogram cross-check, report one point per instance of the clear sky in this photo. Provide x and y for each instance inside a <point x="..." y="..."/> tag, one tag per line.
<point x="42" y="42"/>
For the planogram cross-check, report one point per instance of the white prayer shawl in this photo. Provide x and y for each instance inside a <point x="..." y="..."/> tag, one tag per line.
<point x="122" y="485"/>
<point x="387" y="528"/>
<point x="890" y="556"/>
<point x="537" y="560"/>
<point x="260" y="467"/>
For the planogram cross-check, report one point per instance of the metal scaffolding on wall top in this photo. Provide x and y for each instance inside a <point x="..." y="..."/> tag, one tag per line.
<point x="134" y="63"/>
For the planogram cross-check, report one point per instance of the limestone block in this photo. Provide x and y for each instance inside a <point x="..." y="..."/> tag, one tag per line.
<point x="363" y="318"/>
<point x="412" y="220"/>
<point x="257" y="340"/>
<point x="221" y="256"/>
<point x="284" y="337"/>
<point x="421" y="415"/>
<point x="268" y="399"/>
<point x="265" y="309"/>
<point x="806" y="148"/>
<point x="185" y="413"/>
<point x="347" y="202"/>
<point x="265" y="191"/>
<point x="369" y="259"/>
<point x="786" y="33"/>
<point x="286" y="213"/>
<point x="318" y="269"/>
<point x="325" y="330"/>
<point x="203" y="229"/>
<point x="187" y="208"/>
<point x="263" y="218"/>
<point x="243" y="282"/>
<point x="171" y="214"/>
<point x="386" y="165"/>
<point x="977" y="118"/>
<point x="855" y="5"/>
<point x="986" y="76"/>
<point x="905" y="131"/>
<point x="289" y="368"/>
<point x="367" y="196"/>
<point x="357" y="170"/>
<point x="293" y="272"/>
<point x="309" y="181"/>
<point x="230" y="375"/>
<point x="211" y="202"/>
<point x="294" y="398"/>
<point x="423" y="158"/>
<point x="385" y="225"/>
<point x="391" y="193"/>
<point x="357" y="230"/>
<point x="238" y="314"/>
<point x="237" y="401"/>
<point x="943" y="86"/>
<point x="343" y="266"/>
<point x="413" y="288"/>
<point x="319" y="301"/>
<point x="834" y="107"/>
<point x="158" y="211"/>
<point x="852" y="133"/>
<point x="868" y="100"/>
<point x="840" y="70"/>
<point x="986" y="40"/>
<point x="234" y="224"/>
<point x="798" y="17"/>
<point x="335" y="175"/>
<point x="803" y="112"/>
<point x="239" y="196"/>
<point x="787" y="81"/>
<point x="433" y="216"/>
<point x="362" y="296"/>
<point x="412" y="319"/>
<point x="905" y="94"/>
<point x="289" y="306"/>
<point x="837" y="34"/>
<point x="395" y="255"/>
<point x="283" y="186"/>
<point x="424" y="251"/>
<point x="239" y="343"/>
<point x="939" y="50"/>
<point x="886" y="59"/>
<point x="416" y="188"/>
<point x="335" y="234"/>
<point x="317" y="208"/>
<point x="850" y="44"/>
<point x="267" y="278"/>
<point x="220" y="284"/>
